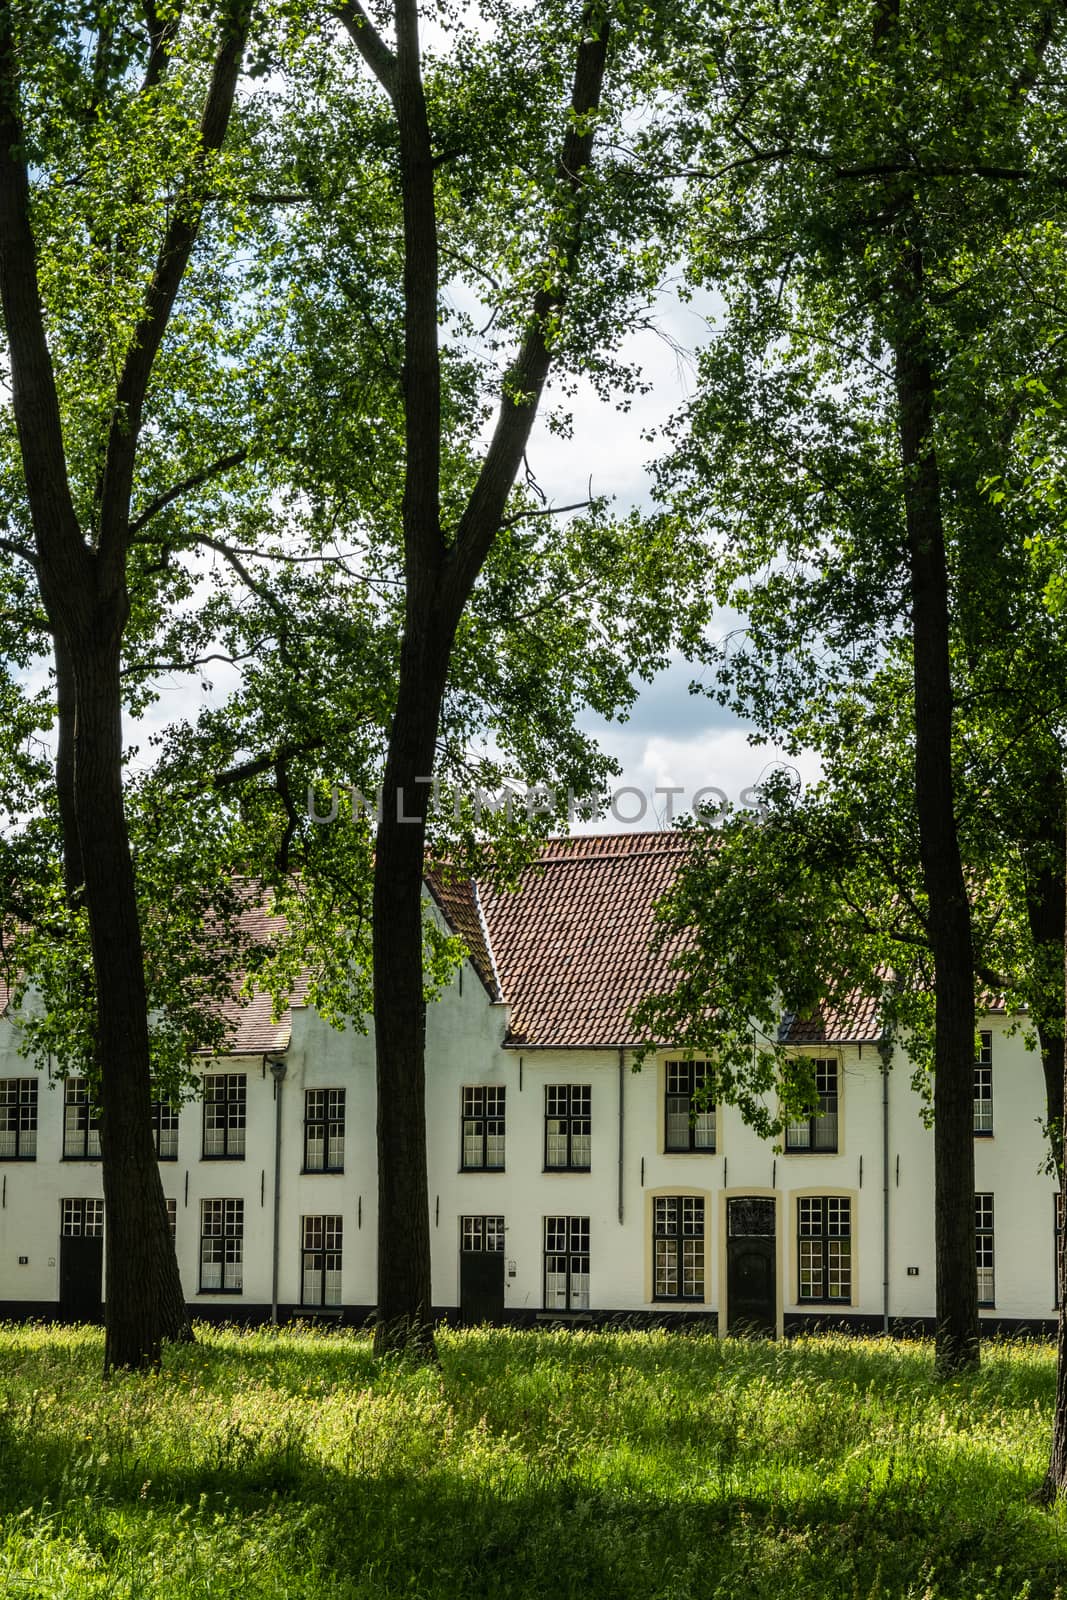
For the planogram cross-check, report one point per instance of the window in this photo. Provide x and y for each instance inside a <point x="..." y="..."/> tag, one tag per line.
<point x="82" y="1219"/>
<point x="818" y="1132"/>
<point x="222" y="1227"/>
<point x="567" y="1140"/>
<point x="172" y="1217"/>
<point x="983" y="1087"/>
<point x="689" y="1114"/>
<point x="165" y="1130"/>
<point x="983" y="1247"/>
<point x="18" y="1119"/>
<point x="324" y="1130"/>
<point x="824" y="1249"/>
<point x="81" y="1122"/>
<point x="678" y="1246"/>
<point x="566" y="1263"/>
<point x="483" y="1128"/>
<point x="481" y="1233"/>
<point x="320" y="1274"/>
<point x="225" y="1096"/>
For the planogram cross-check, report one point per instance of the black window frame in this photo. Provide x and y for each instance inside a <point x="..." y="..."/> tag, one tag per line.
<point x="570" y="1104"/>
<point x="670" y="1229"/>
<point x="817" y="1122"/>
<point x="482" y="1235"/>
<point x="983" y="1080"/>
<point x="232" y="1229"/>
<point x="985" y="1246"/>
<point x="574" y="1253"/>
<point x="164" y="1111"/>
<point x="18" y="1105"/>
<point x="473" y="1096"/>
<point x="234" y="1127"/>
<point x="326" y="1253"/>
<point x="330" y="1118"/>
<point x="86" y="1131"/>
<point x="692" y="1114"/>
<point x="826" y="1234"/>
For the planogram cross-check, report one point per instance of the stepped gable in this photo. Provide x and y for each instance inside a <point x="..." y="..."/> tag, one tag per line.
<point x="571" y="942"/>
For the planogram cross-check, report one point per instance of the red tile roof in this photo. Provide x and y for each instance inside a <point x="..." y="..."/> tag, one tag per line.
<point x="854" y="1022"/>
<point x="460" y="903"/>
<point x="571" y="943"/>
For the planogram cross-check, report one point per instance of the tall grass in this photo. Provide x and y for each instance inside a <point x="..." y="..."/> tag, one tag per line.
<point x="664" y="1467"/>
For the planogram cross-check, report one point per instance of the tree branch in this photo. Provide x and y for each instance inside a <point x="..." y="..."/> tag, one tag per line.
<point x="194" y="481"/>
<point x="370" y="44"/>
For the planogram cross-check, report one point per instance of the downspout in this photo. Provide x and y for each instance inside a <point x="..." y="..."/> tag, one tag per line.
<point x="622" y="1115"/>
<point x="885" y="1050"/>
<point x="278" y="1070"/>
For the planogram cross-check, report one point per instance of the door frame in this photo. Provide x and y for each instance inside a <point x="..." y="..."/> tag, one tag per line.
<point x="740" y="1192"/>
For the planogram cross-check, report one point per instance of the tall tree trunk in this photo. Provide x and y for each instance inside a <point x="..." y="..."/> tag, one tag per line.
<point x="404" y="1317"/>
<point x="1046" y="910"/>
<point x="145" y="1300"/>
<point x="1056" y="1477"/>
<point x="948" y="904"/>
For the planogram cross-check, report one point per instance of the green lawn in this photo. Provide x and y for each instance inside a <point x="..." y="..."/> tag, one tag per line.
<point x="601" y="1465"/>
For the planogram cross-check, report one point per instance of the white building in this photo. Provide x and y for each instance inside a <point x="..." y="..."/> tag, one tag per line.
<point x="562" y="1184"/>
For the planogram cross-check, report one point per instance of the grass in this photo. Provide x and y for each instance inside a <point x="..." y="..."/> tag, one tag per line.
<point x="610" y="1466"/>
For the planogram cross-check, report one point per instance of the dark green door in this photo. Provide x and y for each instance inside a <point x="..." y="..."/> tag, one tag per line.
<point x="750" y="1291"/>
<point x="481" y="1286"/>
<point x="81" y="1270"/>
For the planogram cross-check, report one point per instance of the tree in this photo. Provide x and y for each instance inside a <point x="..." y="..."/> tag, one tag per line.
<point x="80" y="501"/>
<point x="860" y="208"/>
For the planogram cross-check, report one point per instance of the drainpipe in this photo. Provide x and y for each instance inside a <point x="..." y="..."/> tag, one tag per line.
<point x="885" y="1050"/>
<point x="278" y="1070"/>
<point x="622" y="1113"/>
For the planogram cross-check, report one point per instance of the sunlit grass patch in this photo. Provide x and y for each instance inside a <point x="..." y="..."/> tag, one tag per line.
<point x="595" y="1464"/>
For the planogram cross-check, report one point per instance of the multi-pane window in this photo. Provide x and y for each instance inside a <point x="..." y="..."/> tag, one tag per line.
<point x="481" y="1233"/>
<point x="818" y="1131"/>
<point x="566" y="1263"/>
<point x="222" y="1228"/>
<point x="172" y="1217"/>
<point x="983" y="1247"/>
<point x="225" y="1097"/>
<point x="567" y="1124"/>
<point x="81" y="1122"/>
<point x="483" y="1127"/>
<point x="689" y="1112"/>
<point x="824" y="1249"/>
<point x="983" y="1086"/>
<point x="82" y="1219"/>
<point x="165" y="1130"/>
<point x="678" y="1243"/>
<point x="324" y="1130"/>
<point x="18" y="1119"/>
<point x="320" y="1266"/>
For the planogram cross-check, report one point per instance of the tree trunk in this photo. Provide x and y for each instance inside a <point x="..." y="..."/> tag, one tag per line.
<point x="1055" y="1483"/>
<point x="1046" y="910"/>
<point x="948" y="905"/>
<point x="145" y="1303"/>
<point x="404" y="1314"/>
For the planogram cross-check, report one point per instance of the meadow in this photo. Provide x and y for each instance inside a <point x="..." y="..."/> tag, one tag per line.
<point x="606" y="1465"/>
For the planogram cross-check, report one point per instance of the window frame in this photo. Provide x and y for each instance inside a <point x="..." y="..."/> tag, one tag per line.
<point x="77" y="1097"/>
<point x="235" y="1127"/>
<point x="983" y="1077"/>
<point x="13" y="1110"/>
<point x="662" y="1234"/>
<point x="223" y="1235"/>
<point x="329" y="1122"/>
<point x="985" y="1246"/>
<point x="811" y="1122"/>
<point x="469" y="1115"/>
<point x="569" y="1117"/>
<point x="162" y="1109"/>
<point x="328" y="1256"/>
<point x="825" y="1236"/>
<point x="475" y="1239"/>
<point x="79" y="1207"/>
<point x="576" y="1258"/>
<point x="693" y="1117"/>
